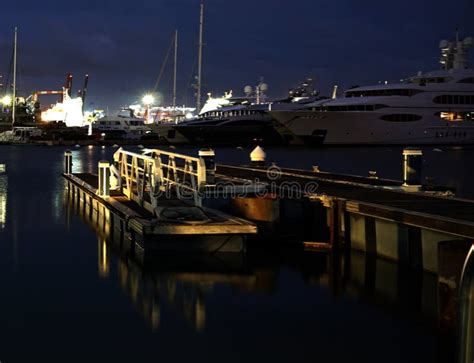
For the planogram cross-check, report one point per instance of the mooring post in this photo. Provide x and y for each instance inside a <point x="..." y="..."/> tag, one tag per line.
<point x="68" y="162"/>
<point x="257" y="157"/>
<point x="104" y="179"/>
<point x="412" y="166"/>
<point x="208" y="155"/>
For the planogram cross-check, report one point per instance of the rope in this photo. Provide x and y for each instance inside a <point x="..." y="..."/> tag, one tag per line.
<point x="188" y="86"/>
<point x="157" y="83"/>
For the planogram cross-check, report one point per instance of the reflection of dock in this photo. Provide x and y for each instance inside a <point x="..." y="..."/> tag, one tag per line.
<point x="163" y="282"/>
<point x="157" y="281"/>
<point x="184" y="292"/>
<point x="3" y="196"/>
<point x="182" y="286"/>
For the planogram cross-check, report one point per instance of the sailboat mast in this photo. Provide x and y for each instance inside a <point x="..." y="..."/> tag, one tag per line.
<point x="175" y="66"/>
<point x="199" y="77"/>
<point x="14" y="76"/>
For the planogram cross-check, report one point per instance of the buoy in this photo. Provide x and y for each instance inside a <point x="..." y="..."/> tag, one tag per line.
<point x="77" y="145"/>
<point x="257" y="157"/>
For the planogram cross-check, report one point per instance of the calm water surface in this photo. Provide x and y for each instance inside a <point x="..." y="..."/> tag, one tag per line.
<point x="69" y="295"/>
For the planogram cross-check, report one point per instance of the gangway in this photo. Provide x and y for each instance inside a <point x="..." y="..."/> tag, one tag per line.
<point x="145" y="178"/>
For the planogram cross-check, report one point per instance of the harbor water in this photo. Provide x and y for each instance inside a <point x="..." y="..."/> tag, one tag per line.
<point x="70" y="295"/>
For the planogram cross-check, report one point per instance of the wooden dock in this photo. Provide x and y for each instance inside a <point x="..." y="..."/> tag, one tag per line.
<point x="374" y="215"/>
<point x="147" y="204"/>
<point x="170" y="202"/>
<point x="191" y="229"/>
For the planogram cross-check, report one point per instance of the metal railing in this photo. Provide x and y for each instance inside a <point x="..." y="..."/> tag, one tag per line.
<point x="145" y="178"/>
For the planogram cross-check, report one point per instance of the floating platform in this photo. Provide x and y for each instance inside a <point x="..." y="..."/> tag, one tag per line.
<point x="180" y="226"/>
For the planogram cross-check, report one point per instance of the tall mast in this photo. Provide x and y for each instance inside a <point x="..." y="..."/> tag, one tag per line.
<point x="199" y="76"/>
<point x="175" y="66"/>
<point x="14" y="76"/>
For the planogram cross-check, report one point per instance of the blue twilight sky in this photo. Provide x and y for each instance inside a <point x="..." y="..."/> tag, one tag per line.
<point x="122" y="43"/>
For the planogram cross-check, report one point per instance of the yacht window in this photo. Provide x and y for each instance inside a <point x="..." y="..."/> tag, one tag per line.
<point x="455" y="99"/>
<point x="383" y="92"/>
<point x="455" y="116"/>
<point x="401" y="117"/>
<point x="351" y="108"/>
<point x="467" y="80"/>
<point x="423" y="81"/>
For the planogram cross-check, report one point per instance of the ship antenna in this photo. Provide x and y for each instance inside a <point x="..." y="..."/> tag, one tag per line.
<point x="14" y="76"/>
<point x="199" y="76"/>
<point x="175" y="66"/>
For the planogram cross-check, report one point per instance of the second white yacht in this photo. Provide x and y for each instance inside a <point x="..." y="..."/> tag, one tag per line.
<point x="430" y="108"/>
<point x="123" y="126"/>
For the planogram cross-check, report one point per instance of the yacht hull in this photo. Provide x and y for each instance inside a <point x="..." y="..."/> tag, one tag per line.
<point x="213" y="135"/>
<point x="354" y="128"/>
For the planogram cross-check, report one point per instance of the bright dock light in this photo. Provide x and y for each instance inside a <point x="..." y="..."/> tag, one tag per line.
<point x="7" y="100"/>
<point x="148" y="100"/>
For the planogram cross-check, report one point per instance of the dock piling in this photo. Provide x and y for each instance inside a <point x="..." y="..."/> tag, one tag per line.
<point x="68" y="162"/>
<point x="208" y="156"/>
<point x="104" y="179"/>
<point x="412" y="165"/>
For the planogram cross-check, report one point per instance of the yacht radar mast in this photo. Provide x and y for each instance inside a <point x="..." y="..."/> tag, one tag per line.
<point x="454" y="55"/>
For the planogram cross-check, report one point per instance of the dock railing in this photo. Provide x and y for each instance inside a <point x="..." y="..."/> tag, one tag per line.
<point x="145" y="178"/>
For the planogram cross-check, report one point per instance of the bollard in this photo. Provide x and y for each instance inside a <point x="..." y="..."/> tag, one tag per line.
<point x="104" y="179"/>
<point x="208" y="155"/>
<point x="257" y="157"/>
<point x="412" y="165"/>
<point x="68" y="162"/>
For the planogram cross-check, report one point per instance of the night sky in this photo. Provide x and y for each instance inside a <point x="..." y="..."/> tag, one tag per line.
<point x="122" y="43"/>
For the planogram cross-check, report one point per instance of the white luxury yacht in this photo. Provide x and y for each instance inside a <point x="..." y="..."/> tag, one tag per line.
<point x="429" y="108"/>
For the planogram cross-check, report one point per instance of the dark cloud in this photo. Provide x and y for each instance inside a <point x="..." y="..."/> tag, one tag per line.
<point x="122" y="44"/>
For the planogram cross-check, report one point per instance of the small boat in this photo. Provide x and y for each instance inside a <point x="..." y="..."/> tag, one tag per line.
<point x="122" y="126"/>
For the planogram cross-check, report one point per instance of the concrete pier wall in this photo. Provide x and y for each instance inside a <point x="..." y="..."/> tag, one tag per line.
<point x="405" y="244"/>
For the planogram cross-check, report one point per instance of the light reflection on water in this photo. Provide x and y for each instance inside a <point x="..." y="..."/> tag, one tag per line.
<point x="67" y="282"/>
<point x="3" y="200"/>
<point x="164" y="287"/>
